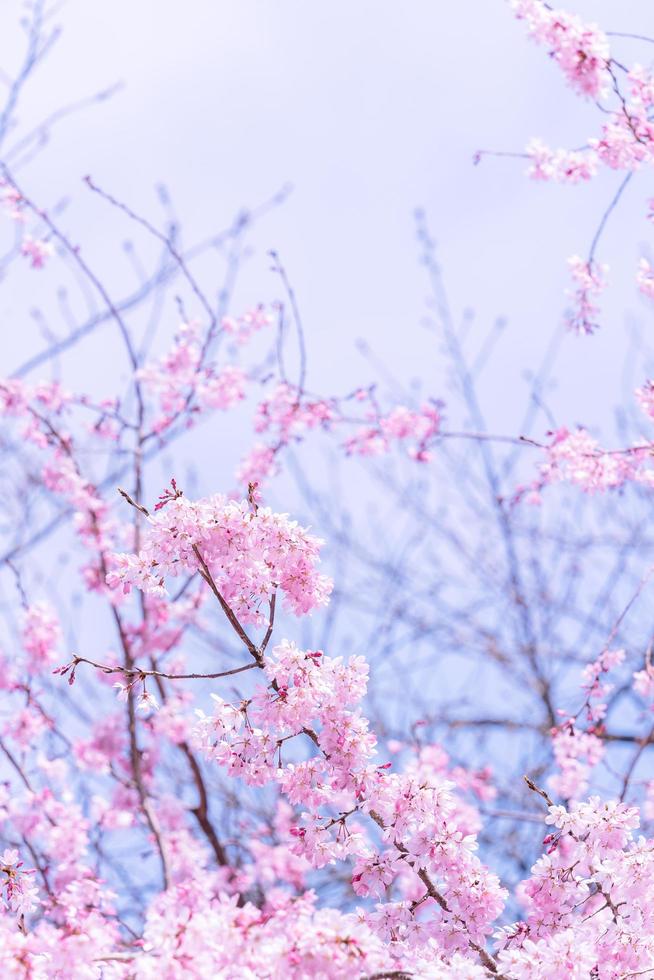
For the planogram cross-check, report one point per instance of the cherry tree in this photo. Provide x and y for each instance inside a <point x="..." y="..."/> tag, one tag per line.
<point x="220" y="760"/>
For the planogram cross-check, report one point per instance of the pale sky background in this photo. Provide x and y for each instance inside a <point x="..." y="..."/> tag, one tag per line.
<point x="368" y="108"/>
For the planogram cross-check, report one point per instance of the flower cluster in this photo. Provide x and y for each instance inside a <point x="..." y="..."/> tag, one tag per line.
<point x="249" y="323"/>
<point x="258" y="465"/>
<point x="588" y="900"/>
<point x="287" y="413"/>
<point x="285" y="416"/>
<point x="580" y="50"/>
<point x="401" y="425"/>
<point x="41" y="636"/>
<point x="562" y="166"/>
<point x="44" y="411"/>
<point x="181" y="377"/>
<point x="12" y="202"/>
<point x="589" y="279"/>
<point x="577" y="741"/>
<point x="576" y="457"/>
<point x="645" y="278"/>
<point x="37" y="250"/>
<point x="247" y="554"/>
<point x="576" y="753"/>
<point x="17" y="885"/>
<point x="645" y="398"/>
<point x="417" y="841"/>
<point x="625" y="140"/>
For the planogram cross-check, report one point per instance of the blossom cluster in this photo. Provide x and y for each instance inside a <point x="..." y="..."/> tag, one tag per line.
<point x="41" y="636"/>
<point x="243" y="327"/>
<point x="424" y="903"/>
<point x="181" y="377"/>
<point x="580" y="50"/>
<point x="288" y="414"/>
<point x="36" y="250"/>
<point x="625" y="140"/>
<point x="44" y="413"/>
<point x="589" y="279"/>
<point x="588" y="900"/>
<point x="17" y="887"/>
<point x="562" y="166"/>
<point x="576" y="457"/>
<point x="577" y="742"/>
<point x="417" y="841"/>
<point x="247" y="553"/>
<point x="284" y="416"/>
<point x="401" y="424"/>
<point x="645" y="278"/>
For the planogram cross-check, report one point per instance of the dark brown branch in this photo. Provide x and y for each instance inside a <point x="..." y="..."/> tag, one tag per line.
<point x="226" y="608"/>
<point x="141" y="672"/>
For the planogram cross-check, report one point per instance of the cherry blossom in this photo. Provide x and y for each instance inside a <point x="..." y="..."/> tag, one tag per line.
<point x="198" y="789"/>
<point x="37" y="251"/>
<point x="182" y="374"/>
<point x="590" y="280"/>
<point x="645" y="278"/>
<point x="248" y="324"/>
<point x="246" y="554"/>
<point x="562" y="166"/>
<point x="580" y="50"/>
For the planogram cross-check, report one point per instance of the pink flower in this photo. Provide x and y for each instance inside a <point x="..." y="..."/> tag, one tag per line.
<point x="41" y="636"/>
<point x="645" y="278"/>
<point x="146" y="702"/>
<point x="183" y="379"/>
<point x="562" y="166"/>
<point x="36" y="250"/>
<point x="249" y="323"/>
<point x="645" y="398"/>
<point x="250" y="555"/>
<point x="590" y="279"/>
<point x="581" y="50"/>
